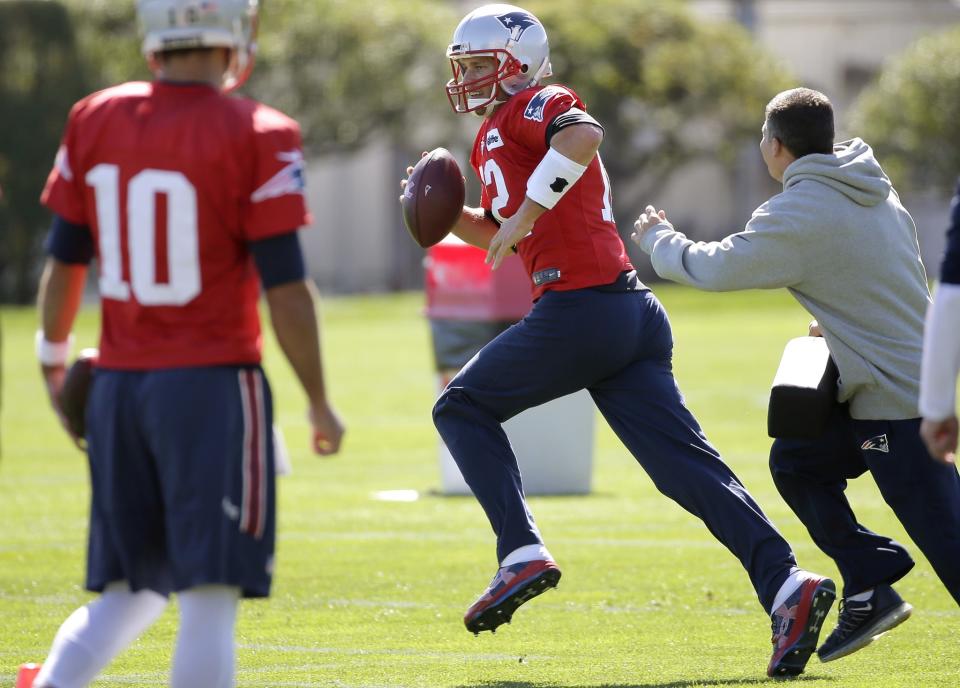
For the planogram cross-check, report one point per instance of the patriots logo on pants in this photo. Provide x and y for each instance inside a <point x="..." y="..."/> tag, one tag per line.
<point x="878" y="443"/>
<point x="516" y="23"/>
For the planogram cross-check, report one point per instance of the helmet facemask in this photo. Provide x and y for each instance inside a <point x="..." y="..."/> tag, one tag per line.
<point x="458" y="91"/>
<point x="242" y="59"/>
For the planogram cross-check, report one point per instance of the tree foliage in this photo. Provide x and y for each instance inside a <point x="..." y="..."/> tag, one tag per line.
<point x="346" y="69"/>
<point x="39" y="80"/>
<point x="668" y="87"/>
<point x="911" y="115"/>
<point x="108" y="40"/>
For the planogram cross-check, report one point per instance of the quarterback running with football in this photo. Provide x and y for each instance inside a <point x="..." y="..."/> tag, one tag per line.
<point x="594" y="326"/>
<point x="190" y="199"/>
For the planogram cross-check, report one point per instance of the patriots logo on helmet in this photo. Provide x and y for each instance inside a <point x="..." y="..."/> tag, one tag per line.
<point x="516" y="23"/>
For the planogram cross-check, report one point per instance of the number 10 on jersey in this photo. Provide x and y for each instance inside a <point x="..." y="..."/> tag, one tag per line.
<point x="182" y="240"/>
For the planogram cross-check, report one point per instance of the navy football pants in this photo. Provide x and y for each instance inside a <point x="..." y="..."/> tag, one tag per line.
<point x="617" y="345"/>
<point x="182" y="476"/>
<point x="925" y="495"/>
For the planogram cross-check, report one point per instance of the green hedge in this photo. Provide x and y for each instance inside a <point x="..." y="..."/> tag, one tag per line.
<point x="911" y="115"/>
<point x="40" y="77"/>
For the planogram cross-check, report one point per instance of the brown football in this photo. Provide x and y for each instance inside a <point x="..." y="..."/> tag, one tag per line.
<point x="76" y="389"/>
<point x="433" y="198"/>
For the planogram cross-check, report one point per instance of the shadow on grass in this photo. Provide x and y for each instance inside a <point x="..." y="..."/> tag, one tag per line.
<point x="699" y="683"/>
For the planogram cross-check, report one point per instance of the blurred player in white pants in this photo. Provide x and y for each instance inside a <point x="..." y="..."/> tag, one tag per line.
<point x="941" y="352"/>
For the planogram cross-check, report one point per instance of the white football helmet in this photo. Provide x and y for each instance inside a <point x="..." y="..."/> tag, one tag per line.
<point x="185" y="24"/>
<point x="510" y="34"/>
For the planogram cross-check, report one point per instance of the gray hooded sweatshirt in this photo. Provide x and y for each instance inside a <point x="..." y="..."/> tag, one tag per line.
<point x="839" y="239"/>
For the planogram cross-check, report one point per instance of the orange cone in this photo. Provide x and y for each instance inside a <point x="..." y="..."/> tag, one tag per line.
<point x="26" y="674"/>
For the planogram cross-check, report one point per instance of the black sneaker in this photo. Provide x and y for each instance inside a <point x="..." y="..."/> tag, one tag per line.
<point x="860" y="623"/>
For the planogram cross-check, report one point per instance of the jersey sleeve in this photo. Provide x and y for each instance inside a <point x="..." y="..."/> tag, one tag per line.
<point x="63" y="193"/>
<point x="276" y="204"/>
<point x="531" y="127"/>
<point x="69" y="243"/>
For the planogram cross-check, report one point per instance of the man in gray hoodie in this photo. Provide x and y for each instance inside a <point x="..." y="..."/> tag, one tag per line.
<point x="840" y="241"/>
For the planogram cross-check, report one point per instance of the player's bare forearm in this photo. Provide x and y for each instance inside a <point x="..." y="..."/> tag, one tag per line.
<point x="579" y="142"/>
<point x="294" y="318"/>
<point x="513" y="229"/>
<point x="475" y="227"/>
<point x="61" y="290"/>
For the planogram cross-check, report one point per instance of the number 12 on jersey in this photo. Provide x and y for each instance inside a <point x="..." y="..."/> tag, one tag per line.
<point x="500" y="195"/>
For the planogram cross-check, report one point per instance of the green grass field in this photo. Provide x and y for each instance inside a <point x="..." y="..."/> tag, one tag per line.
<point x="371" y="593"/>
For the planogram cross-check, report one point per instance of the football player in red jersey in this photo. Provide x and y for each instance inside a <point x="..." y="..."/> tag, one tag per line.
<point x="594" y="326"/>
<point x="190" y="199"/>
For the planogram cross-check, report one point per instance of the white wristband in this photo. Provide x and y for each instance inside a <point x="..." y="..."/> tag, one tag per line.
<point x="553" y="177"/>
<point x="53" y="353"/>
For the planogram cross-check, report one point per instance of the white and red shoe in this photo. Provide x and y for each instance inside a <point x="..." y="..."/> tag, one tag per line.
<point x="797" y="622"/>
<point x="512" y="586"/>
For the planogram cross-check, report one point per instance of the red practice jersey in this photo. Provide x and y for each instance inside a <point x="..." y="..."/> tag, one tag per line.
<point x="573" y="245"/>
<point x="174" y="181"/>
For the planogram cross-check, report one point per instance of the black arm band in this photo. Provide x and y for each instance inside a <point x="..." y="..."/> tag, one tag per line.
<point x="69" y="243"/>
<point x="950" y="268"/>
<point x="568" y="118"/>
<point x="279" y="259"/>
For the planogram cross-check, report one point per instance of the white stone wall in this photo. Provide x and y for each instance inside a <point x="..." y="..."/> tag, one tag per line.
<point x="357" y="242"/>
